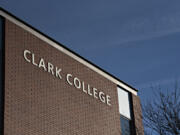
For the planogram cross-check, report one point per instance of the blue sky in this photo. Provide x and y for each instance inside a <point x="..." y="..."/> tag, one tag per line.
<point x="137" y="41"/>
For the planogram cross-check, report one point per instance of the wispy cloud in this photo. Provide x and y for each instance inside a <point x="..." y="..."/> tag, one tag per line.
<point x="114" y="30"/>
<point x="157" y="83"/>
<point x="149" y="27"/>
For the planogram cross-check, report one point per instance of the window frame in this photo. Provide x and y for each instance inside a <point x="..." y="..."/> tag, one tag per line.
<point x="132" y="130"/>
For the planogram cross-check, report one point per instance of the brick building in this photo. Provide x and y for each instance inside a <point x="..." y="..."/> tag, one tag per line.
<point x="46" y="89"/>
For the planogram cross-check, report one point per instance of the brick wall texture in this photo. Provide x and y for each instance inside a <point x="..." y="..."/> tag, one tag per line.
<point x="137" y="115"/>
<point x="38" y="103"/>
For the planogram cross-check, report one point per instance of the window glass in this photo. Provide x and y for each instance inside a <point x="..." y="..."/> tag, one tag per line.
<point x="123" y="99"/>
<point x="125" y="126"/>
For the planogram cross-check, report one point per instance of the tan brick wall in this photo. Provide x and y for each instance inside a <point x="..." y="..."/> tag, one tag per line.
<point x="37" y="103"/>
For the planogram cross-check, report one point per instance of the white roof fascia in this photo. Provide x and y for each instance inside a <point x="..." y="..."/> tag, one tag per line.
<point x="57" y="46"/>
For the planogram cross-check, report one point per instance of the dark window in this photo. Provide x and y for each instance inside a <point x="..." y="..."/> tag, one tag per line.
<point x="125" y="126"/>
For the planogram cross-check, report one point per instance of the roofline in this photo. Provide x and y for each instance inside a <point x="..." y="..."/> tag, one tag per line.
<point x="66" y="50"/>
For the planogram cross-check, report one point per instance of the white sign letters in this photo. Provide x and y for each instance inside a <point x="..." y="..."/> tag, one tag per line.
<point x="70" y="79"/>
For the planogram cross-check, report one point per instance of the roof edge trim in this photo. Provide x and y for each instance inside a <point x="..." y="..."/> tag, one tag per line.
<point x="65" y="50"/>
